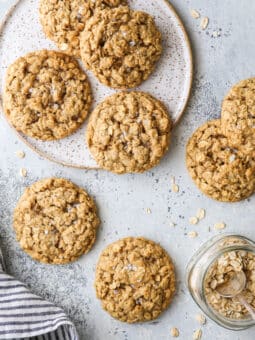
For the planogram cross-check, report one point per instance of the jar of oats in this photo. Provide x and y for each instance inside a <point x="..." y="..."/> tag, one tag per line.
<point x="210" y="267"/>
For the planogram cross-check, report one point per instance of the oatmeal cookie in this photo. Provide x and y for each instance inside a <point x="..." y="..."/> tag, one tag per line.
<point x="129" y="132"/>
<point x="64" y="20"/>
<point x="135" y="280"/>
<point x="238" y="115"/>
<point x="221" y="172"/>
<point x="47" y="96"/>
<point x="121" y="46"/>
<point x="55" y="221"/>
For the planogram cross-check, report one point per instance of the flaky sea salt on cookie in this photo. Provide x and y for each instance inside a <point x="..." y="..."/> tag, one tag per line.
<point x="55" y="221"/>
<point x="135" y="280"/>
<point x="64" y="20"/>
<point x="121" y="46"/>
<point x="47" y="96"/>
<point x="219" y="171"/>
<point x="129" y="132"/>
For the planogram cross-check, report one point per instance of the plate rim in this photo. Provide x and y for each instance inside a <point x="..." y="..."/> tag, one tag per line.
<point x="84" y="167"/>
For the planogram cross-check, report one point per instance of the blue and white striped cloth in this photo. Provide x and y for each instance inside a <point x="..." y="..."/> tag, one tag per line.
<point x="24" y="315"/>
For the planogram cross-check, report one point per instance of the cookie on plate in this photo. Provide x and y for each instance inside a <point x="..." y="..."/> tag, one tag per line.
<point x="121" y="46"/>
<point x="64" y="20"/>
<point x="135" y="280"/>
<point x="219" y="171"/>
<point x="47" y="96"/>
<point x="238" y="115"/>
<point x="129" y="132"/>
<point x="55" y="221"/>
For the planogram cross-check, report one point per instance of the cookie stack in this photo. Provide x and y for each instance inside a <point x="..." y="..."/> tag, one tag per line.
<point x="220" y="156"/>
<point x="48" y="97"/>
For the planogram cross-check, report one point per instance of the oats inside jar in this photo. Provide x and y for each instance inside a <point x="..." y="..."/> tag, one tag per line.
<point x="218" y="274"/>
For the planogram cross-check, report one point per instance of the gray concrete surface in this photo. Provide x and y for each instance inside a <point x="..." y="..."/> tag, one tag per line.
<point x="123" y="200"/>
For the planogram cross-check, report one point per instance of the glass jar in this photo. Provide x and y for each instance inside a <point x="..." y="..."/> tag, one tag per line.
<point x="198" y="267"/>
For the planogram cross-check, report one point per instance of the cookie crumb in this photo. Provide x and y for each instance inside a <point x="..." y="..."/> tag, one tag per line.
<point x="175" y="188"/>
<point x="195" y="14"/>
<point x="219" y="226"/>
<point x="23" y="172"/>
<point x="201" y="214"/>
<point x="175" y="332"/>
<point x="197" y="335"/>
<point x="148" y="210"/>
<point x="204" y="23"/>
<point x="201" y="319"/>
<point x="192" y="234"/>
<point x="20" y="154"/>
<point x="193" y="220"/>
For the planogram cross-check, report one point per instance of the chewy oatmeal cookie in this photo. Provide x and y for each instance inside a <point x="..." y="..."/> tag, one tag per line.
<point x="135" y="280"/>
<point x="55" y="221"/>
<point x="129" y="132"/>
<point x="64" y="20"/>
<point x="121" y="46"/>
<point x="221" y="172"/>
<point x="47" y="96"/>
<point x="238" y="115"/>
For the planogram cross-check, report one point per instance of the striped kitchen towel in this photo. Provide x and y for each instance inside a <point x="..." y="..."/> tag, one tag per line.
<point x="24" y="315"/>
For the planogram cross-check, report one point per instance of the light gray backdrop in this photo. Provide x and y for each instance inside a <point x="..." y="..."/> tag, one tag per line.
<point x="123" y="200"/>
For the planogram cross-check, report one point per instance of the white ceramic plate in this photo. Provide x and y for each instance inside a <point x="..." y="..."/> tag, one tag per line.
<point x="171" y="81"/>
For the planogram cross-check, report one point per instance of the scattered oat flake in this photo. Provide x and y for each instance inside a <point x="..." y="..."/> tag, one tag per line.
<point x="172" y="224"/>
<point x="197" y="335"/>
<point x="219" y="226"/>
<point x="201" y="214"/>
<point x="20" y="154"/>
<point x="204" y="23"/>
<point x="193" y="220"/>
<point x="192" y="234"/>
<point x="172" y="179"/>
<point x="175" y="188"/>
<point x="194" y="13"/>
<point x="23" y="172"/>
<point x="175" y="332"/>
<point x="148" y="210"/>
<point x="201" y="319"/>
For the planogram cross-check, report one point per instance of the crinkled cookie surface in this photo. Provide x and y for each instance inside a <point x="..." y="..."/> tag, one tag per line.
<point x="238" y="115"/>
<point x="135" y="280"/>
<point x="47" y="96"/>
<point x="55" y="221"/>
<point x="129" y="132"/>
<point x="64" y="20"/>
<point x="221" y="172"/>
<point x="121" y="46"/>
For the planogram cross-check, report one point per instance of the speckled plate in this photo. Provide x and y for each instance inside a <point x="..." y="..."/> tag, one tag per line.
<point x="171" y="81"/>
